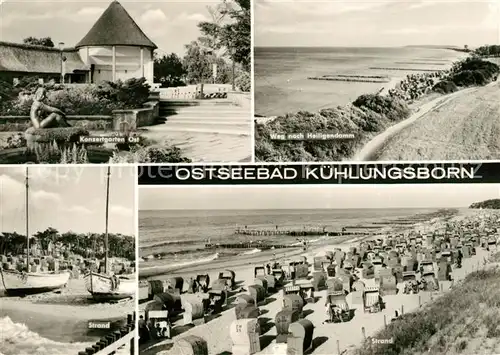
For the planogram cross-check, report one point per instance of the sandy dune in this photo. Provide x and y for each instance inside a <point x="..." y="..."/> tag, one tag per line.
<point x="463" y="125"/>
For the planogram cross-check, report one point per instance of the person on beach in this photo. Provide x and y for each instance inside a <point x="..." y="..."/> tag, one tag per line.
<point x="144" y="334"/>
<point x="45" y="116"/>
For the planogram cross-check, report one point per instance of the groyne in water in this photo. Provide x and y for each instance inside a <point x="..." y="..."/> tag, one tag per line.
<point x="407" y="69"/>
<point x="433" y="60"/>
<point x="292" y="233"/>
<point x="423" y="62"/>
<point x="352" y="78"/>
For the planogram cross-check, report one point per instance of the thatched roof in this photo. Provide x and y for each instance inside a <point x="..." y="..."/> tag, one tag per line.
<point x="27" y="58"/>
<point x="115" y="27"/>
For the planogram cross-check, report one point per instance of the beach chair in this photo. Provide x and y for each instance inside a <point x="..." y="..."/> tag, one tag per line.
<point x="292" y="290"/>
<point x="447" y="255"/>
<point x="337" y="307"/>
<point x="429" y="281"/>
<point x="279" y="274"/>
<point x="426" y="266"/>
<point x="229" y="276"/>
<point x="410" y="282"/>
<point x="259" y="271"/>
<point x="203" y="281"/>
<point x="159" y="324"/>
<point x="372" y="301"/>
<point x="307" y="292"/>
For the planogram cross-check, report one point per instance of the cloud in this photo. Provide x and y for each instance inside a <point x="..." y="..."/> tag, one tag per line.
<point x="121" y="210"/>
<point x="79" y="210"/>
<point x="46" y="199"/>
<point x="197" y="17"/>
<point x="153" y="16"/>
<point x="12" y="196"/>
<point x="421" y="4"/>
<point x="90" y="11"/>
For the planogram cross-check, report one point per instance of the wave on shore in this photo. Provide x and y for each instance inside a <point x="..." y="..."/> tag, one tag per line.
<point x="182" y="264"/>
<point x="17" y="339"/>
<point x="250" y="252"/>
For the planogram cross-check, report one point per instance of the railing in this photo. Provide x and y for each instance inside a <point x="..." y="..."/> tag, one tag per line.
<point x="191" y="92"/>
<point x="110" y="343"/>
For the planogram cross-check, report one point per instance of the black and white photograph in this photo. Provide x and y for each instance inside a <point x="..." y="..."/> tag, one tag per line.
<point x="366" y="269"/>
<point x="125" y="82"/>
<point x="376" y="80"/>
<point x="68" y="265"/>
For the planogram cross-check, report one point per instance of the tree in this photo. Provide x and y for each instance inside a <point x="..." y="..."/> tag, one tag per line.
<point x="169" y="70"/>
<point x="197" y="63"/>
<point x="234" y="36"/>
<point x="47" y="236"/>
<point x="45" y="41"/>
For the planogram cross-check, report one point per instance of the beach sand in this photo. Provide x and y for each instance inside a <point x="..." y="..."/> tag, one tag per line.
<point x="348" y="335"/>
<point x="55" y="322"/>
<point x="462" y="125"/>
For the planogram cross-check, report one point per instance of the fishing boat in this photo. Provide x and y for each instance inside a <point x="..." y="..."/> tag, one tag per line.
<point x="23" y="282"/>
<point x="106" y="286"/>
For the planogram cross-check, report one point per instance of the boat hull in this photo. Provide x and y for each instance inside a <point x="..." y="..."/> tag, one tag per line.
<point x="102" y="287"/>
<point x="17" y="283"/>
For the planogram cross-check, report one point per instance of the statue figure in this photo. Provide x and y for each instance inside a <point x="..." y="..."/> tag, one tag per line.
<point x="55" y="117"/>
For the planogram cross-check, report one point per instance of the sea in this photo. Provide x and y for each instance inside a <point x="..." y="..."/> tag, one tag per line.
<point x="181" y="234"/>
<point x="281" y="74"/>
<point x="17" y="339"/>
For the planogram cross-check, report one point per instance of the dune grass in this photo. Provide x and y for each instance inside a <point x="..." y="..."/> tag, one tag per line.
<point x="466" y="316"/>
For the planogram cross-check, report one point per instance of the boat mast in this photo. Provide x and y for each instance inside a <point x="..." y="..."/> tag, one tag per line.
<point x="27" y="226"/>
<point x="107" y="210"/>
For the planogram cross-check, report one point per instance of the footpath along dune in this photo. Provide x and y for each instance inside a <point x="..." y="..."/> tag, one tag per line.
<point x="462" y="125"/>
<point x="329" y="338"/>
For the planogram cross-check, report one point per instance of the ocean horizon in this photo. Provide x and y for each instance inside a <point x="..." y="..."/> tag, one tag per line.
<point x="184" y="232"/>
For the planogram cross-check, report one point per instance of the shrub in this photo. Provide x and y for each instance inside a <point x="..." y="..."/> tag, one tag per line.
<point x="81" y="100"/>
<point x="393" y="108"/>
<point x="16" y="140"/>
<point x="474" y="63"/>
<point x="61" y="135"/>
<point x="445" y="87"/>
<point x="53" y="154"/>
<point x="473" y="71"/>
<point x="130" y="94"/>
<point x="141" y="153"/>
<point x="469" y="78"/>
<point x="244" y="82"/>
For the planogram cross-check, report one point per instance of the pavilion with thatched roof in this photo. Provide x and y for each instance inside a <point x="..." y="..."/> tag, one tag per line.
<point x="114" y="48"/>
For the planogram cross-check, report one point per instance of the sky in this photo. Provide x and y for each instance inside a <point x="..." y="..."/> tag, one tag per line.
<point x="67" y="198"/>
<point x="314" y="196"/>
<point x="169" y="24"/>
<point x="376" y="23"/>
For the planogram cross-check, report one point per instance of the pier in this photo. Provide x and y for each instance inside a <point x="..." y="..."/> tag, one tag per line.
<point x="252" y="245"/>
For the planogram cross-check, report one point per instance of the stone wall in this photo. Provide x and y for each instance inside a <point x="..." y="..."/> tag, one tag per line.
<point x="21" y="123"/>
<point x="130" y="120"/>
<point x="120" y="119"/>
